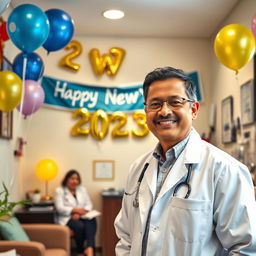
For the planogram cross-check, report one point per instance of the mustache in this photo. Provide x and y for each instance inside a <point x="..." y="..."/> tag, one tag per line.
<point x="167" y="117"/>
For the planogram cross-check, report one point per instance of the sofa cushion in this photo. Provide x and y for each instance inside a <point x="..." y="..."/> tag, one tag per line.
<point x="12" y="230"/>
<point x="55" y="252"/>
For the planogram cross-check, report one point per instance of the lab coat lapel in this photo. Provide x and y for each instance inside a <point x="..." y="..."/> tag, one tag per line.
<point x="190" y="155"/>
<point x="69" y="197"/>
<point x="151" y="176"/>
<point x="178" y="171"/>
<point x="147" y="190"/>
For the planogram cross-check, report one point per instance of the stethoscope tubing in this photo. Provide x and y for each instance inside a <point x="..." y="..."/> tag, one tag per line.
<point x="176" y="189"/>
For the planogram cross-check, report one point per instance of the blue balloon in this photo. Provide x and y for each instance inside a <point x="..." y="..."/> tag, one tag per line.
<point x="34" y="67"/>
<point x="61" y="30"/>
<point x="28" y="27"/>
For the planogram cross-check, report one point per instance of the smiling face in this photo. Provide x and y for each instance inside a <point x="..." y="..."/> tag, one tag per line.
<point x="73" y="182"/>
<point x="170" y="125"/>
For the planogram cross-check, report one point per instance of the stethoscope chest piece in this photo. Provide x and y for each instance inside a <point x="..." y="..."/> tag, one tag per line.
<point x="135" y="203"/>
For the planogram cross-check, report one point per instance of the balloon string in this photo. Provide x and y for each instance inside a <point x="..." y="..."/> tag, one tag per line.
<point x="29" y="121"/>
<point x="23" y="82"/>
<point x="23" y="90"/>
<point x="239" y="114"/>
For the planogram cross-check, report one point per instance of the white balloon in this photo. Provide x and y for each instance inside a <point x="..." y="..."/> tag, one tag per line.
<point x="4" y="4"/>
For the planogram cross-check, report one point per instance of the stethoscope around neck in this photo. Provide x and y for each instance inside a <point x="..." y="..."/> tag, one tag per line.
<point x="185" y="183"/>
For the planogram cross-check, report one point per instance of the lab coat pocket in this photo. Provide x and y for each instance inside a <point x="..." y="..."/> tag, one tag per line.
<point x="189" y="219"/>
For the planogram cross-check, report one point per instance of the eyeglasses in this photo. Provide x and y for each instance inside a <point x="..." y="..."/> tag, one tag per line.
<point x="175" y="102"/>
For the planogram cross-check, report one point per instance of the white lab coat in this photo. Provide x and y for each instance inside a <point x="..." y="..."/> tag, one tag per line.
<point x="65" y="202"/>
<point x="220" y="212"/>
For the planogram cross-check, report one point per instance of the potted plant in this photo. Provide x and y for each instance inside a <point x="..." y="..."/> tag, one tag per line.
<point x="6" y="206"/>
<point x="36" y="196"/>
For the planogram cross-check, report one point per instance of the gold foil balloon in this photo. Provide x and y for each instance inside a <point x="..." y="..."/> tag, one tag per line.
<point x="46" y="169"/>
<point x="120" y="118"/>
<point x="140" y="117"/>
<point x="10" y="90"/>
<point x="109" y="62"/>
<point x="67" y="61"/>
<point x="96" y="132"/>
<point x="84" y="115"/>
<point x="234" y="46"/>
<point x="115" y="62"/>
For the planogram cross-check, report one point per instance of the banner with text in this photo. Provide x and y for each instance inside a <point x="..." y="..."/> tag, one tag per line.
<point x="69" y="95"/>
<point x="110" y="99"/>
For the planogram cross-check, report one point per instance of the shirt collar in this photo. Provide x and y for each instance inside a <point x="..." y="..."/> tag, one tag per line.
<point x="174" y="151"/>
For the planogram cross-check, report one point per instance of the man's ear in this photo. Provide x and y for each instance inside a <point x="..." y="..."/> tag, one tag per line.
<point x="194" y="108"/>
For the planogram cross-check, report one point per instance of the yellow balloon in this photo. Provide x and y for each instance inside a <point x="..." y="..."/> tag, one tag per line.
<point x="66" y="61"/>
<point x="140" y="117"/>
<point x="96" y="132"/>
<point x="120" y="118"/>
<point x="46" y="169"/>
<point x="78" y="129"/>
<point x="10" y="90"/>
<point x="114" y="63"/>
<point x="234" y="46"/>
<point x="109" y="62"/>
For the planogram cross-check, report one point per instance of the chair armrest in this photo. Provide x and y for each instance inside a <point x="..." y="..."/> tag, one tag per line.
<point x="23" y="248"/>
<point x="51" y="235"/>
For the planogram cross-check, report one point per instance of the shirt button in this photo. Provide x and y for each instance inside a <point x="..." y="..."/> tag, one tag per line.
<point x="155" y="228"/>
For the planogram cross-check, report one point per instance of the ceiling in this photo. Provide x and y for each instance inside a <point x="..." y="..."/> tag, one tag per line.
<point x="154" y="18"/>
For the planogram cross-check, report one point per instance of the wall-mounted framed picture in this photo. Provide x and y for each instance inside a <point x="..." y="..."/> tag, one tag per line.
<point x="6" y="125"/>
<point x="247" y="94"/>
<point x="6" y="64"/>
<point x="103" y="170"/>
<point x="227" y="119"/>
<point x="6" y="119"/>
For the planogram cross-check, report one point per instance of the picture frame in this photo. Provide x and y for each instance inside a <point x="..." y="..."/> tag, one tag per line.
<point x="227" y="121"/>
<point x="6" y="118"/>
<point x="103" y="170"/>
<point x="6" y="65"/>
<point x="6" y="125"/>
<point x="247" y="96"/>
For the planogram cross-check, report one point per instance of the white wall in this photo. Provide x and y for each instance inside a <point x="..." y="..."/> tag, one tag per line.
<point x="48" y="135"/>
<point x="48" y="131"/>
<point x="10" y="167"/>
<point x="224" y="81"/>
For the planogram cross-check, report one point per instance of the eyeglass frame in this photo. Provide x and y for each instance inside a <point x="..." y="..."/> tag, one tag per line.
<point x="169" y="105"/>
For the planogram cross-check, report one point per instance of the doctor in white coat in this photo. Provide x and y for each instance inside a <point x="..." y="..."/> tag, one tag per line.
<point x="72" y="202"/>
<point x="186" y="197"/>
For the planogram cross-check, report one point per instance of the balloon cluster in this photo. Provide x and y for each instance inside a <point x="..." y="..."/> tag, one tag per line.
<point x="234" y="45"/>
<point x="30" y="28"/>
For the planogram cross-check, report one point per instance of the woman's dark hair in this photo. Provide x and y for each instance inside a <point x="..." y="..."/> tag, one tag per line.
<point x="160" y="74"/>
<point x="68" y="175"/>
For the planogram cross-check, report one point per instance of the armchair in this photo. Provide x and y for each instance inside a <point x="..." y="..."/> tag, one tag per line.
<point x="46" y="240"/>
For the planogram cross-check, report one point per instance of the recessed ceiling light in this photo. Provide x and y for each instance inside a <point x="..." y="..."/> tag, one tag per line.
<point x="113" y="14"/>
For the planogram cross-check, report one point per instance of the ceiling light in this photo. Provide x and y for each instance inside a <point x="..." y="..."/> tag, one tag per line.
<point x="113" y="14"/>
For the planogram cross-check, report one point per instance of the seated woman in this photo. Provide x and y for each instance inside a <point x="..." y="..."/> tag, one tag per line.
<point x="72" y="202"/>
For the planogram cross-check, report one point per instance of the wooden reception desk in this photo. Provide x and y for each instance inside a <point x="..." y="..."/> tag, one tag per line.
<point x="111" y="206"/>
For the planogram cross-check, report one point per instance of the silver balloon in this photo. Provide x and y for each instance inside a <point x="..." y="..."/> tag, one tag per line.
<point x="4" y="4"/>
